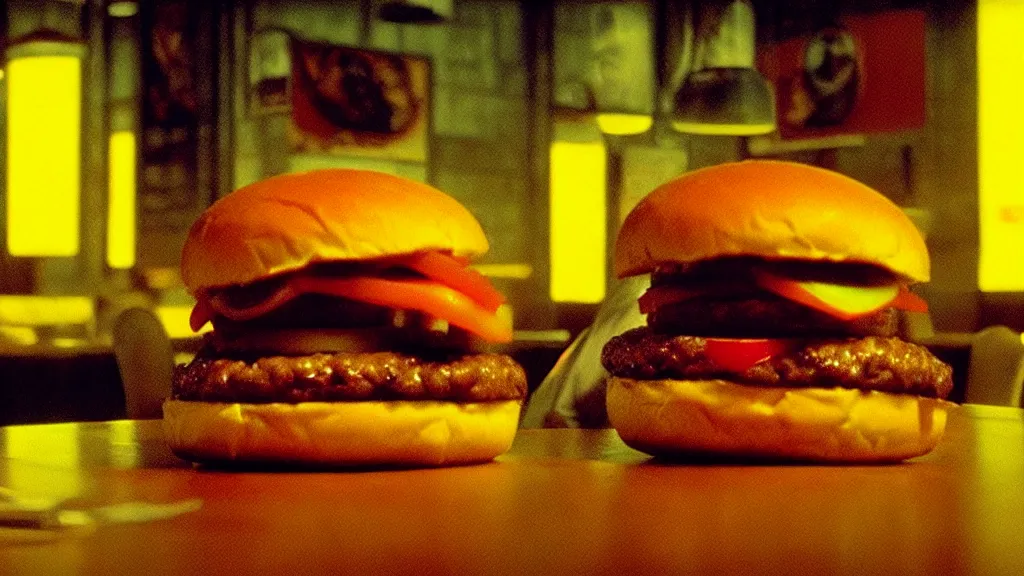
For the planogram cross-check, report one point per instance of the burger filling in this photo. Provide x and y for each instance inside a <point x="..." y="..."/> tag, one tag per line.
<point x="350" y="376"/>
<point x="785" y="323"/>
<point x="411" y="327"/>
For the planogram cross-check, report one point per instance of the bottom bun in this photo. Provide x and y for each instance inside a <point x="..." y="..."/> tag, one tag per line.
<point x="674" y="417"/>
<point x="400" y="433"/>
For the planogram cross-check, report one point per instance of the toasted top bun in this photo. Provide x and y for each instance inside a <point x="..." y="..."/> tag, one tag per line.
<point x="288" y="221"/>
<point x="773" y="210"/>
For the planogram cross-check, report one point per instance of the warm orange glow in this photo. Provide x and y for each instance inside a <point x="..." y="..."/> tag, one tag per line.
<point x="578" y="221"/>
<point x="44" y="102"/>
<point x="1000" y="146"/>
<point x="121" y="201"/>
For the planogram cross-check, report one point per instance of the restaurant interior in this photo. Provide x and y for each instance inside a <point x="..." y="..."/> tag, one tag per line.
<point x="124" y="119"/>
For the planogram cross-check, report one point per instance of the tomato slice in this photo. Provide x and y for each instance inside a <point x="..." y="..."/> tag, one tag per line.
<point x="454" y="274"/>
<point x="202" y="313"/>
<point x="739" y="354"/>
<point x="907" y="300"/>
<point x="425" y="296"/>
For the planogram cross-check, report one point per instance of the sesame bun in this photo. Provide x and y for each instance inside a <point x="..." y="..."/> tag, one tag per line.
<point x="772" y="210"/>
<point x="394" y="433"/>
<point x="673" y="417"/>
<point x="286" y="222"/>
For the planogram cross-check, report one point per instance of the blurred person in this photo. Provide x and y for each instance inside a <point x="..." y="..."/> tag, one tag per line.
<point x="572" y="394"/>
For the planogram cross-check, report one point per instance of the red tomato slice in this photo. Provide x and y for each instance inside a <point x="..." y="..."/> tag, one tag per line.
<point x="907" y="300"/>
<point x="738" y="355"/>
<point x="454" y="274"/>
<point x="422" y="295"/>
<point x="425" y="296"/>
<point x="202" y="313"/>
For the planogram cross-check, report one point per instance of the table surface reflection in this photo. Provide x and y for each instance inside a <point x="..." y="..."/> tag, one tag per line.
<point x="561" y="501"/>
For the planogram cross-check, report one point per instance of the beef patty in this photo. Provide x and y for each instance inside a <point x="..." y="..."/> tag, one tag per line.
<point x="763" y="316"/>
<point x="871" y="363"/>
<point x="349" y="376"/>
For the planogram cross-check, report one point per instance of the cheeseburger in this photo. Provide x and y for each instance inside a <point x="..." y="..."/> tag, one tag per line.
<point x="347" y="328"/>
<point x="772" y="321"/>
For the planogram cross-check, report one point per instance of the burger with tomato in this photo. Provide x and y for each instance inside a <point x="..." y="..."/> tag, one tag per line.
<point x="348" y="329"/>
<point x="772" y="321"/>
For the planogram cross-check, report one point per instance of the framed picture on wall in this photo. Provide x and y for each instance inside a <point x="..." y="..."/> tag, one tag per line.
<point x="269" y="72"/>
<point x="349" y="101"/>
<point x="864" y="74"/>
<point x="604" y="56"/>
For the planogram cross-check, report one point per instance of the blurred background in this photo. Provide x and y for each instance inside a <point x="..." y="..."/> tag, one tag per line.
<point x="123" y="120"/>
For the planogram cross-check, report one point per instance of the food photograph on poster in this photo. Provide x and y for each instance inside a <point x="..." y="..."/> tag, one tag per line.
<point x="861" y="74"/>
<point x="355" y="102"/>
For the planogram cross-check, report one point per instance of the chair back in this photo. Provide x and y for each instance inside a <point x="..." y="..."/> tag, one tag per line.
<point x="145" y="359"/>
<point x="995" y="373"/>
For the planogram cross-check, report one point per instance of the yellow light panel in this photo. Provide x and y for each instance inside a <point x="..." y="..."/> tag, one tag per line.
<point x="516" y="271"/>
<point x="175" y="321"/>
<point x="723" y="129"/>
<point x="578" y="221"/>
<point x="44" y="102"/>
<point x="624" y="124"/>
<point x="1000" y="146"/>
<point x="121" y="202"/>
<point x="31" y="310"/>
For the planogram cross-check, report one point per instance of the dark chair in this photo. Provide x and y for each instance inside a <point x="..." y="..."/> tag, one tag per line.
<point x="145" y="359"/>
<point x="995" y="371"/>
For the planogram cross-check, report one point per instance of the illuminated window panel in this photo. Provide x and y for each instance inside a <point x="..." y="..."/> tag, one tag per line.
<point x="175" y="321"/>
<point x="578" y="221"/>
<point x="624" y="124"/>
<point x="121" y="202"/>
<point x="43" y="154"/>
<point x="1000" y="146"/>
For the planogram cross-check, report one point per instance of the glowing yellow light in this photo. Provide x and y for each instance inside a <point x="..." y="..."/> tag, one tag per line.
<point x="723" y="129"/>
<point x="122" y="9"/>
<point x="1000" y="146"/>
<point x="19" y="335"/>
<point x="175" y="321"/>
<point x="26" y="310"/>
<point x="624" y="124"/>
<point x="47" y="461"/>
<point x="121" y="203"/>
<point x="43" y="155"/>
<point x="516" y="271"/>
<point x="578" y="221"/>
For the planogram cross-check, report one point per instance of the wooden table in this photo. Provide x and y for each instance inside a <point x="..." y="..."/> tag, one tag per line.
<point x="561" y="502"/>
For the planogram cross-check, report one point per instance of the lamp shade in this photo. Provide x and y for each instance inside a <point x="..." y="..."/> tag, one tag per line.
<point x="724" y="101"/>
<point x="416" y="11"/>
<point x="723" y="93"/>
